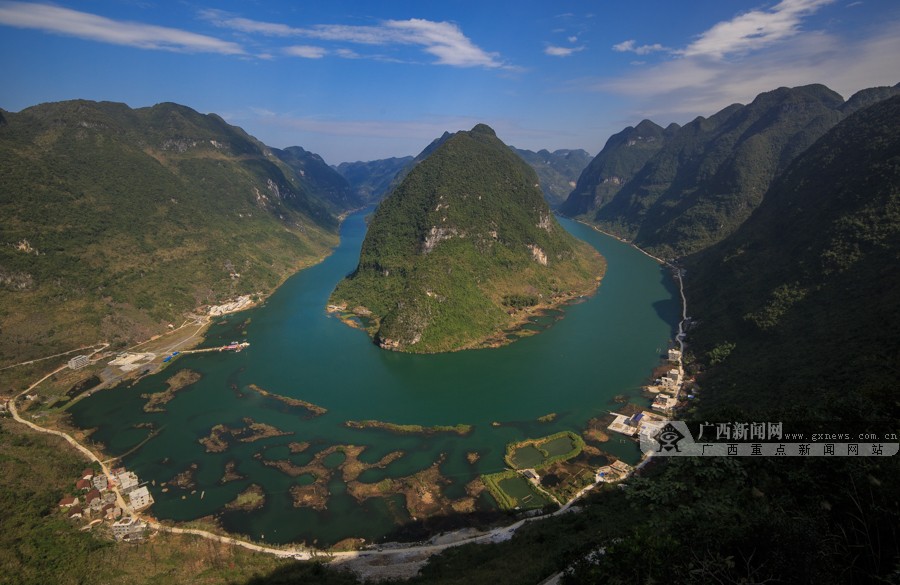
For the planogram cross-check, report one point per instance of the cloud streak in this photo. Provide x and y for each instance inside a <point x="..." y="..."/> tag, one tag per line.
<point x="554" y="51"/>
<point x="753" y="30"/>
<point x="305" y="51"/>
<point x="84" y="25"/>
<point x="629" y="47"/>
<point x="443" y="40"/>
<point x="701" y="85"/>
<point x="745" y="33"/>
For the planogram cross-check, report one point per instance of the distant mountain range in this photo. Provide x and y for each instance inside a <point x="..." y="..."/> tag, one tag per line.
<point x="371" y="181"/>
<point x="677" y="190"/>
<point x="557" y="171"/>
<point x="460" y="247"/>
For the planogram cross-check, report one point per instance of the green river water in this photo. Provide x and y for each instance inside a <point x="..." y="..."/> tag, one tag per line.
<point x="604" y="346"/>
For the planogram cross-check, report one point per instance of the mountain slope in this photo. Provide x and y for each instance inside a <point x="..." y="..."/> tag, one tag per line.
<point x="463" y="243"/>
<point x="713" y="173"/>
<point x="623" y="155"/>
<point x="314" y="174"/>
<point x="678" y="190"/>
<point x="807" y="288"/>
<point x="557" y="170"/>
<point x="117" y="221"/>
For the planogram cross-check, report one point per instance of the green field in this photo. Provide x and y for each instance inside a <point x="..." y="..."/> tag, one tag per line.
<point x="513" y="491"/>
<point x="541" y="452"/>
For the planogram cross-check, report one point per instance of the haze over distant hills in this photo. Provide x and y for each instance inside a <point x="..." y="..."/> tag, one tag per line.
<point x="556" y="170"/>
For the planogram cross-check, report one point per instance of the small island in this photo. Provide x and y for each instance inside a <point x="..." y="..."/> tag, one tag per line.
<point x="460" y="429"/>
<point x="248" y="500"/>
<point x="217" y="441"/>
<point x="179" y="381"/>
<point x="314" y="409"/>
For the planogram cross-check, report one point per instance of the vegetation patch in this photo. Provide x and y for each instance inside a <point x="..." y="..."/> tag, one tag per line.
<point x="251" y="498"/>
<point x="185" y="480"/>
<point x="421" y="491"/>
<point x="218" y="439"/>
<point x="231" y="473"/>
<point x="460" y="429"/>
<point x="179" y="381"/>
<point x="314" y="409"/>
<point x="325" y="463"/>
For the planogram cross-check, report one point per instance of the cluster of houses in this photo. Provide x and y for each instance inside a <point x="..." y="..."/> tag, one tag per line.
<point x="99" y="501"/>
<point x="667" y="389"/>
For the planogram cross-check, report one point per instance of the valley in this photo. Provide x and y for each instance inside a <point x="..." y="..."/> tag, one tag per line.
<point x="310" y="425"/>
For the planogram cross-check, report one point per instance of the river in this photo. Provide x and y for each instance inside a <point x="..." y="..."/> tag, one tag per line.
<point x="603" y="347"/>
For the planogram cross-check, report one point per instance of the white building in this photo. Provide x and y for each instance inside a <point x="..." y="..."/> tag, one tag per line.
<point x="674" y="375"/>
<point x="100" y="482"/>
<point x="667" y="382"/>
<point x="127" y="481"/>
<point x="674" y="355"/>
<point x="140" y="498"/>
<point x="128" y="528"/>
<point x="79" y="361"/>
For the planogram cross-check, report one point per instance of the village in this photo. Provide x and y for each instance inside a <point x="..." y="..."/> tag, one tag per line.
<point x="668" y="390"/>
<point x="100" y="499"/>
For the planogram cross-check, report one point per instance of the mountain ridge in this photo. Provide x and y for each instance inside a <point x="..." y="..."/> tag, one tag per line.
<point x="712" y="172"/>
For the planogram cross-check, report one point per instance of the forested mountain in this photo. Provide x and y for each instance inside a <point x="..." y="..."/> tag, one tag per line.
<point x="799" y="321"/>
<point x="557" y="170"/>
<point x="811" y="274"/>
<point x="623" y="155"/>
<point x="116" y="221"/>
<point x="463" y="242"/>
<point x="710" y="174"/>
<point x="320" y="178"/>
<point x="371" y="181"/>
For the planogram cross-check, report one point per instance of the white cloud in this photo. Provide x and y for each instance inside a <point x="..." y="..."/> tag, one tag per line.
<point x="753" y="30"/>
<point x="700" y="85"/>
<point x="305" y="51"/>
<point x="443" y="40"/>
<point x="573" y="39"/>
<point x="629" y="47"/>
<point x="83" y="25"/>
<point x="561" y="51"/>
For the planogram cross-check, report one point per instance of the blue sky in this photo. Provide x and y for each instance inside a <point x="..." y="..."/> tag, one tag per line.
<point x="360" y="80"/>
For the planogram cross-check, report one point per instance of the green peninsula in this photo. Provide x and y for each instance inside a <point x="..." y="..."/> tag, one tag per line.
<point x="462" y="251"/>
